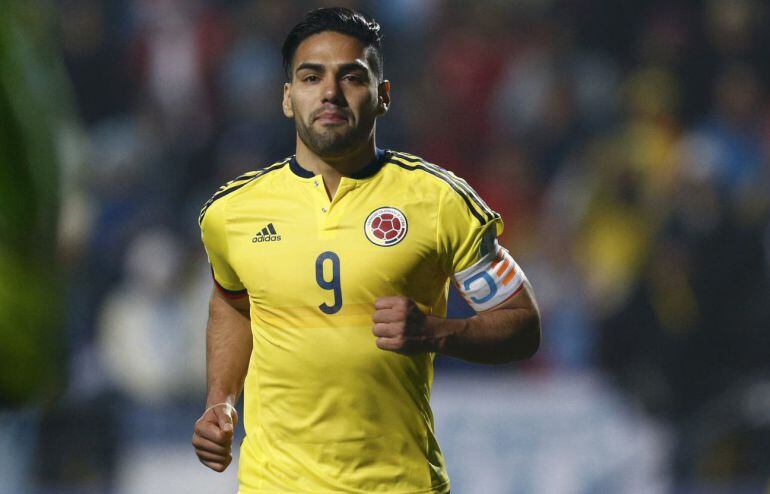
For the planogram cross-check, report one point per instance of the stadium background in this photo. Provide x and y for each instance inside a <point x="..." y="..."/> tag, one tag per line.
<point x="626" y="144"/>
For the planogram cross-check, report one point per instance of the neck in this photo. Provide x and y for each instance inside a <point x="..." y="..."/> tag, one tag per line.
<point x="332" y="169"/>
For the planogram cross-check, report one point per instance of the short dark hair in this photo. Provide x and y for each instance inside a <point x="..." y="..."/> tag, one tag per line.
<point x="339" y="19"/>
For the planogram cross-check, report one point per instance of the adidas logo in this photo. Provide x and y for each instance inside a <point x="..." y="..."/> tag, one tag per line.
<point x="268" y="234"/>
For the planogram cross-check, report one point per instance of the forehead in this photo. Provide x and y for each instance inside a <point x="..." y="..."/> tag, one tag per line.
<point x="331" y="48"/>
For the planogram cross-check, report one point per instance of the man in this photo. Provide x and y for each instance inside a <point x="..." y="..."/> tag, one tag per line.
<point x="331" y="270"/>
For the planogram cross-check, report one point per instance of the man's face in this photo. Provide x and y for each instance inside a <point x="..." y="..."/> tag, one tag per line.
<point x="334" y="96"/>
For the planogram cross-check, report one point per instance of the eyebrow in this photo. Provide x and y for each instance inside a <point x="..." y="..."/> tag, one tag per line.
<point x="345" y="67"/>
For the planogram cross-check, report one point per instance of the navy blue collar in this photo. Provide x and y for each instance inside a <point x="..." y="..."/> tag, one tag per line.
<point x="380" y="157"/>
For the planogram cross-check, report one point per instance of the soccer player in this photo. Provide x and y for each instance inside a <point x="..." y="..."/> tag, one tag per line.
<point x="331" y="272"/>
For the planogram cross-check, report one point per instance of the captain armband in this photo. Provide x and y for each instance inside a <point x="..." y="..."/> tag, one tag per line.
<point x="491" y="281"/>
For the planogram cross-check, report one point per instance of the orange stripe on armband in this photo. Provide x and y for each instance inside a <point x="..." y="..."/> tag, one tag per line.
<point x="502" y="267"/>
<point x="509" y="276"/>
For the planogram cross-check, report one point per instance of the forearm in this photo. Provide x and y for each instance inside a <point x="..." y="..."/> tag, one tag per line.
<point x="228" y="349"/>
<point x="493" y="337"/>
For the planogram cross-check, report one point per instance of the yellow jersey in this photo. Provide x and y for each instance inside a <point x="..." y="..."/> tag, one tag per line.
<point x="325" y="410"/>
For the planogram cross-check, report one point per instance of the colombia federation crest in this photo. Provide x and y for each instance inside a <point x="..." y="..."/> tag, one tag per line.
<point x="385" y="226"/>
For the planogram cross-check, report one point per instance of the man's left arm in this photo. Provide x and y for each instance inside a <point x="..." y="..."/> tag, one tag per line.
<point x="507" y="332"/>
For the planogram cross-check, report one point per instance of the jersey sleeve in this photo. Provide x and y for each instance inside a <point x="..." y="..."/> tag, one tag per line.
<point x="214" y="236"/>
<point x="483" y="272"/>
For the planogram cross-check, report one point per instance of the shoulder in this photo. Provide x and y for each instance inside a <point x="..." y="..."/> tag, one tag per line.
<point x="452" y="189"/>
<point x="427" y="171"/>
<point x="243" y="182"/>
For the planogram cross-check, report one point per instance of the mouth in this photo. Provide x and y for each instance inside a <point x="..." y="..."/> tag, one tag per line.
<point x="330" y="117"/>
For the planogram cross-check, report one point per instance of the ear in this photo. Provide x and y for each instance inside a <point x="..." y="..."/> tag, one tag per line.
<point x="383" y="97"/>
<point x="288" y="111"/>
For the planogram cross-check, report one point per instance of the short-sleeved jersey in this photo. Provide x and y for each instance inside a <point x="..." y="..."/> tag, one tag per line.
<point x="325" y="410"/>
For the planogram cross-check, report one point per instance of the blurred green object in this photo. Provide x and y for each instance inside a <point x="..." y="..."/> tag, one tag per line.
<point x="33" y="107"/>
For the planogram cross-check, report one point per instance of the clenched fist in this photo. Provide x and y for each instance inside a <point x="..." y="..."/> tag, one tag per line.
<point x="213" y="436"/>
<point x="401" y="327"/>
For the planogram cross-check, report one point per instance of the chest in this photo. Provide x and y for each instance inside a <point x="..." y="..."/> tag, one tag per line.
<point x="304" y="250"/>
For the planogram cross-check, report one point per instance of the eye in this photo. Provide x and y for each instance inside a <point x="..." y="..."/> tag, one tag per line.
<point x="352" y="78"/>
<point x="310" y="78"/>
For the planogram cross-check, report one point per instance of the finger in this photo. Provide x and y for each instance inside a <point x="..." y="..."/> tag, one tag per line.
<point x="392" y="344"/>
<point x="212" y="432"/>
<point x="206" y="456"/>
<point x="388" y="315"/>
<point x="388" y="330"/>
<point x="205" y="445"/>
<point x="388" y="302"/>
<point x="216" y="466"/>
<point x="212" y="413"/>
<point x="225" y="418"/>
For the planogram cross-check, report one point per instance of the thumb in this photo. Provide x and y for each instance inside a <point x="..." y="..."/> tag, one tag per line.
<point x="224" y="415"/>
<point x="385" y="303"/>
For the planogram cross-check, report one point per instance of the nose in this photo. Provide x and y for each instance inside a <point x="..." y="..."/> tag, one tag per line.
<point x="331" y="91"/>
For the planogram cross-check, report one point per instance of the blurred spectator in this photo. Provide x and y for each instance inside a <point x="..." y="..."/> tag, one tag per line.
<point x="151" y="339"/>
<point x="95" y="60"/>
<point x="730" y="144"/>
<point x="176" y="55"/>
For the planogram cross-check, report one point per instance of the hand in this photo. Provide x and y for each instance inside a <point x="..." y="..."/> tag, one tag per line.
<point x="213" y="436"/>
<point x="401" y="327"/>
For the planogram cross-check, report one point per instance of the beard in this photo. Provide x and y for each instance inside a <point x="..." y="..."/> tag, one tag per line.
<point x="332" y="141"/>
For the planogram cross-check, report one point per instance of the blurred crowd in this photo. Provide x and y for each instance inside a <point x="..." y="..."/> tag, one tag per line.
<point x="626" y="145"/>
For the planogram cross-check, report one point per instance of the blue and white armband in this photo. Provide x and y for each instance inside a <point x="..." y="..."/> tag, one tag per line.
<point x="491" y="281"/>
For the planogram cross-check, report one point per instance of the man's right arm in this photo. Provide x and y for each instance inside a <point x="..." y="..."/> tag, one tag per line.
<point x="228" y="348"/>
